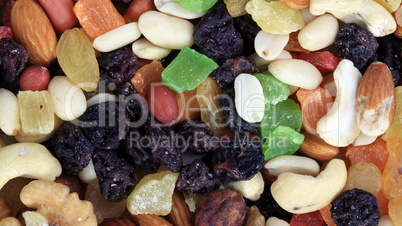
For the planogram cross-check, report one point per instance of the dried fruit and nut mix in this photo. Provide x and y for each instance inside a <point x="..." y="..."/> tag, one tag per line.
<point x="201" y="112"/>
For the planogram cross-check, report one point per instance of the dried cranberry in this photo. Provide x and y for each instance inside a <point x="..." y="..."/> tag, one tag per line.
<point x="13" y="60"/>
<point x="195" y="137"/>
<point x="104" y="125"/>
<point x="117" y="177"/>
<point x="196" y="178"/>
<point x="71" y="148"/>
<point x="216" y="36"/>
<point x="355" y="207"/>
<point x="118" y="66"/>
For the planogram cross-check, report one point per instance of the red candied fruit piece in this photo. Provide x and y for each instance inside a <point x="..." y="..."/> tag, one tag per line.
<point x="136" y="8"/>
<point x="323" y="61"/>
<point x="307" y="219"/>
<point x="375" y="153"/>
<point x="6" y="32"/>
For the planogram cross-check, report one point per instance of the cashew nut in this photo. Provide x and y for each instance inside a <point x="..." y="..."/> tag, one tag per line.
<point x="250" y="189"/>
<point x="368" y="14"/>
<point x="294" y="164"/>
<point x="339" y="126"/>
<point x="28" y="160"/>
<point x="298" y="193"/>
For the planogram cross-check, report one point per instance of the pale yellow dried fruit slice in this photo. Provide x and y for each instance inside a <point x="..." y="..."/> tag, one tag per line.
<point x="153" y="194"/>
<point x="275" y="17"/>
<point x="36" y="112"/>
<point x="365" y="176"/>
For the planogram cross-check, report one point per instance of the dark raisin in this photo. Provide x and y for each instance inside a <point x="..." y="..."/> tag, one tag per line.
<point x="71" y="148"/>
<point x="196" y="178"/>
<point x="268" y="206"/>
<point x="234" y="122"/>
<point x="55" y="68"/>
<point x="118" y="66"/>
<point x="389" y="52"/>
<point x="248" y="29"/>
<point x="117" y="177"/>
<point x="216" y="36"/>
<point x="238" y="159"/>
<point x="135" y="104"/>
<point x="137" y="152"/>
<point x="13" y="60"/>
<point x="356" y="44"/>
<point x="355" y="207"/>
<point x="231" y="68"/>
<point x="162" y="142"/>
<point x="104" y="125"/>
<point x="195" y="137"/>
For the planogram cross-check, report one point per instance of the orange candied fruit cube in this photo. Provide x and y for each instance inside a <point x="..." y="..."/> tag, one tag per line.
<point x="98" y="16"/>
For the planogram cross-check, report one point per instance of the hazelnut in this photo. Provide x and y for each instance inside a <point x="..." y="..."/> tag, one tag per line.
<point x="221" y="207"/>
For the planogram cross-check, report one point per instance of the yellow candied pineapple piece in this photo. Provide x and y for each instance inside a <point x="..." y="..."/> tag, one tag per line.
<point x="395" y="129"/>
<point x="275" y="17"/>
<point x="153" y="194"/>
<point x="36" y="112"/>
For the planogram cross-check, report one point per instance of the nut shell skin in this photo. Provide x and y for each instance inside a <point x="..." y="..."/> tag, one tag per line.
<point x="221" y="207"/>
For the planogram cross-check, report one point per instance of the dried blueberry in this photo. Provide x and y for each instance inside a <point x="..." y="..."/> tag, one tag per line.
<point x="356" y="44"/>
<point x="163" y="144"/>
<point x="104" y="125"/>
<point x="13" y="59"/>
<point x="195" y="137"/>
<point x="216" y="36"/>
<point x="231" y="68"/>
<point x="389" y="52"/>
<point x="71" y="148"/>
<point x="118" y="66"/>
<point x="196" y="178"/>
<point x="135" y="104"/>
<point x="234" y="122"/>
<point x="238" y="160"/>
<point x="355" y="207"/>
<point x="117" y="177"/>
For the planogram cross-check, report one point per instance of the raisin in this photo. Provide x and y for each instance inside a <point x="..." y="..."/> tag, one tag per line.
<point x="234" y="122"/>
<point x="118" y="66"/>
<point x="355" y="207"/>
<point x="135" y="104"/>
<point x="137" y="153"/>
<point x="71" y="148"/>
<point x="216" y="36"/>
<point x="239" y="159"/>
<point x="164" y="148"/>
<point x="104" y="125"/>
<point x="196" y="137"/>
<point x="55" y="68"/>
<point x="196" y="178"/>
<point x="13" y="59"/>
<point x="117" y="177"/>
<point x="268" y="206"/>
<point x="231" y="68"/>
<point x="356" y="44"/>
<point x="389" y="52"/>
<point x="248" y="29"/>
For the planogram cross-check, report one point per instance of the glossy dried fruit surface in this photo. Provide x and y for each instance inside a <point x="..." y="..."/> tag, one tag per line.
<point x="196" y="137"/>
<point x="355" y="207"/>
<point x="208" y="98"/>
<point x="77" y="59"/>
<point x="395" y="128"/>
<point x="275" y="17"/>
<point x="312" y="218"/>
<point x="375" y="152"/>
<point x="98" y="16"/>
<point x="365" y="176"/>
<point x="323" y="61"/>
<point x="389" y="52"/>
<point x="146" y="75"/>
<point x="392" y="177"/>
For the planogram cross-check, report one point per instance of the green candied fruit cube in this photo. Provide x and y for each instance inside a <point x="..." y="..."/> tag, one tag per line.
<point x="282" y="141"/>
<point x="188" y="70"/>
<point x="197" y="5"/>
<point x="285" y="113"/>
<point x="274" y="90"/>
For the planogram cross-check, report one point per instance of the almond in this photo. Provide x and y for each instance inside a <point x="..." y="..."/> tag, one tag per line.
<point x="162" y="103"/>
<point x="34" y="31"/>
<point x="149" y="219"/>
<point x="375" y="103"/>
<point x="180" y="214"/>
<point x="296" y="4"/>
<point x="314" y="147"/>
